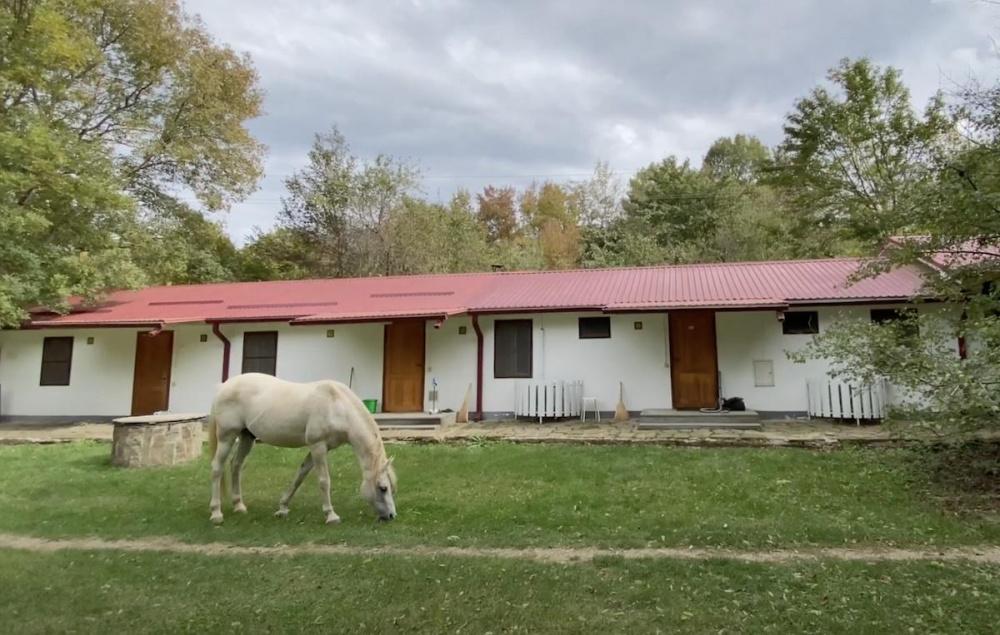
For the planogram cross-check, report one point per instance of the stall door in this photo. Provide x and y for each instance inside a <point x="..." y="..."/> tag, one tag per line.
<point x="151" y="382"/>
<point x="694" y="373"/>
<point x="403" y="380"/>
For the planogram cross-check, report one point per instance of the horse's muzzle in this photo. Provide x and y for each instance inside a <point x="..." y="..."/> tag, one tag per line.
<point x="387" y="517"/>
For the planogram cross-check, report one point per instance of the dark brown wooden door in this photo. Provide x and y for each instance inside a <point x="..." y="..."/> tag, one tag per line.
<point x="403" y="380"/>
<point x="151" y="382"/>
<point x="694" y="372"/>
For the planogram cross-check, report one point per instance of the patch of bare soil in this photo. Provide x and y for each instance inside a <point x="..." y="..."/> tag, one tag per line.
<point x="557" y="555"/>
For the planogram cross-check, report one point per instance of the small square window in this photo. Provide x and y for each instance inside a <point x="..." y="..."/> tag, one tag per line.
<point x="907" y="316"/>
<point x="800" y="323"/>
<point x="592" y="328"/>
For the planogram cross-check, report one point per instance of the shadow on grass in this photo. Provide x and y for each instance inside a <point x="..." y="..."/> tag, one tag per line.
<point x="965" y="475"/>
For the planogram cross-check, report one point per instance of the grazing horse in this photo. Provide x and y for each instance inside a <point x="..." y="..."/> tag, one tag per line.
<point x="319" y="415"/>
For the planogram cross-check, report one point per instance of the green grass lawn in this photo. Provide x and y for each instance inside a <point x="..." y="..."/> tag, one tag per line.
<point x="497" y="495"/>
<point x="506" y="495"/>
<point x="130" y="593"/>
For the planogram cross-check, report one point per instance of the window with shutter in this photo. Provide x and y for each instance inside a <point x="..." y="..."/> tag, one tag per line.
<point x="260" y="352"/>
<point x="57" y="360"/>
<point x="512" y="349"/>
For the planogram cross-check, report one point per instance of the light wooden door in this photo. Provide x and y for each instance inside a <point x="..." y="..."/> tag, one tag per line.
<point x="403" y="380"/>
<point x="694" y="367"/>
<point x="151" y="381"/>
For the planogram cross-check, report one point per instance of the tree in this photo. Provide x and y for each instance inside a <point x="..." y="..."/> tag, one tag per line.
<point x="182" y="247"/>
<point x="347" y="207"/>
<point x="957" y="209"/>
<point x="109" y="107"/>
<point x="280" y="254"/>
<point x="431" y="238"/>
<point x="553" y="220"/>
<point x="672" y="201"/>
<point x="852" y="158"/>
<point x="497" y="212"/>
<point x="740" y="159"/>
<point x="597" y="201"/>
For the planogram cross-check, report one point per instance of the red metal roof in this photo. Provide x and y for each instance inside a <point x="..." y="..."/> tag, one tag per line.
<point x="729" y="285"/>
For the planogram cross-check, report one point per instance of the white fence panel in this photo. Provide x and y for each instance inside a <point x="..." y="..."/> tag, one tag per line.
<point x="548" y="399"/>
<point x="831" y="399"/>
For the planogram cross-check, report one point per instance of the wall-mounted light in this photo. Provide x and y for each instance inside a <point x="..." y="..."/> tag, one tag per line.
<point x="330" y="332"/>
<point x="203" y="337"/>
<point x="637" y="326"/>
<point x="462" y="330"/>
<point x="90" y="341"/>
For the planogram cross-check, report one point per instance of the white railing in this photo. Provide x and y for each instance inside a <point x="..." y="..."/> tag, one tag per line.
<point x="552" y="399"/>
<point x="831" y="399"/>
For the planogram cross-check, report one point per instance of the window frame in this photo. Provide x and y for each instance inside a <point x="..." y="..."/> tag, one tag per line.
<point x="896" y="314"/>
<point x="68" y="362"/>
<point x="514" y="374"/>
<point x="604" y="335"/>
<point x="273" y="358"/>
<point x="786" y="325"/>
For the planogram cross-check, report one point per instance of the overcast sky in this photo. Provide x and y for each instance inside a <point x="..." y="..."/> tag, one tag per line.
<point x="478" y="92"/>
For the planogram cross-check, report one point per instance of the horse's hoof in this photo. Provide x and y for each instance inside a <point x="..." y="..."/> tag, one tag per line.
<point x="240" y="508"/>
<point x="333" y="519"/>
<point x="217" y="519"/>
<point x="281" y="513"/>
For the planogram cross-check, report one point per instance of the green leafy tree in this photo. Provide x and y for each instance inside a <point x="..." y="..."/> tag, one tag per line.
<point x="109" y="108"/>
<point x="741" y="159"/>
<point x="672" y="201"/>
<point x="554" y="222"/>
<point x="280" y="254"/>
<point x="431" y="238"/>
<point x="347" y="206"/>
<point x="854" y="156"/>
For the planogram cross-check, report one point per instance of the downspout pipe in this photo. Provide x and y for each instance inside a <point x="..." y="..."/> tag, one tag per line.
<point x="225" y="350"/>
<point x="479" y="367"/>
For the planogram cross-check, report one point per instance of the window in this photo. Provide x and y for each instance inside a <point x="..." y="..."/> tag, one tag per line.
<point x="888" y="316"/>
<point x="57" y="358"/>
<point x="595" y="328"/>
<point x="512" y="348"/>
<point x="800" y="323"/>
<point x="260" y="352"/>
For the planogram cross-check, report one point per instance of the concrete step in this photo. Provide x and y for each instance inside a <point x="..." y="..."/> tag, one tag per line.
<point x="414" y="420"/>
<point x="696" y="425"/>
<point x="687" y="419"/>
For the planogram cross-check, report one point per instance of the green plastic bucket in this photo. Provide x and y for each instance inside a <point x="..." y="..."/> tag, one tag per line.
<point x="371" y="404"/>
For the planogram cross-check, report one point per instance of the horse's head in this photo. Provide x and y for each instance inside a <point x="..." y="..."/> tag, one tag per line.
<point x="379" y="489"/>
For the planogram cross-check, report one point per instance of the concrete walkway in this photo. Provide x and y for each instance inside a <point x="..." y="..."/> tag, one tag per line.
<point x="806" y="434"/>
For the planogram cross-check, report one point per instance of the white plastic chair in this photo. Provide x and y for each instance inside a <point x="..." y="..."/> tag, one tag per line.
<point x="597" y="412"/>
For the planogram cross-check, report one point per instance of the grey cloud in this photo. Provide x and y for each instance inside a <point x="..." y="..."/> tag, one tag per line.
<point x="478" y="91"/>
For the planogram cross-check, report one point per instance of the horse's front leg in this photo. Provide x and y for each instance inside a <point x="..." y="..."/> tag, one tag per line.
<point x="243" y="448"/>
<point x="304" y="469"/>
<point x="319" y="459"/>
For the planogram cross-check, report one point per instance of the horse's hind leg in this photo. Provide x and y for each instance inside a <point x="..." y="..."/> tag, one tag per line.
<point x="226" y="440"/>
<point x="319" y="457"/>
<point x="307" y="465"/>
<point x="242" y="450"/>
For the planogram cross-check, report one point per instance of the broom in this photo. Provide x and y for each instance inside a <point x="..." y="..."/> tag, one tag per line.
<point x="621" y="412"/>
<point x="463" y="412"/>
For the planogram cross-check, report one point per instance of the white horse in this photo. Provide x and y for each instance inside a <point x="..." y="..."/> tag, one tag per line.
<point x="320" y="415"/>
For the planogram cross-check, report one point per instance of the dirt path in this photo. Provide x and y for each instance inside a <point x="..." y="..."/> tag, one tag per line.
<point x="561" y="555"/>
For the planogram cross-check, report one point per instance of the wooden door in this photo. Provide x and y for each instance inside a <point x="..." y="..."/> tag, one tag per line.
<point x="694" y="371"/>
<point x="403" y="375"/>
<point x="151" y="382"/>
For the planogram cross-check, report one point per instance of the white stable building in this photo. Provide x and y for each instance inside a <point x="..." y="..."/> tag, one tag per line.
<point x="674" y="337"/>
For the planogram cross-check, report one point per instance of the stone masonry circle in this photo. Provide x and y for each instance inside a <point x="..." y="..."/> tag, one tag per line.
<point x="156" y="440"/>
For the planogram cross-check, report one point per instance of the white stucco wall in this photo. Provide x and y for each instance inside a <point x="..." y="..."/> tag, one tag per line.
<point x="451" y="358"/>
<point x="100" y="374"/>
<point x="745" y="336"/>
<point x="637" y="358"/>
